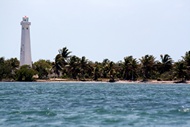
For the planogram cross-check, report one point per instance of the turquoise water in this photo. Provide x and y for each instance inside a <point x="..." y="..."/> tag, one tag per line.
<point x="94" y="105"/>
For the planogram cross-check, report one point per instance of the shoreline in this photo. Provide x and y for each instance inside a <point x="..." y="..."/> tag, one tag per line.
<point x="107" y="81"/>
<point x="60" y="80"/>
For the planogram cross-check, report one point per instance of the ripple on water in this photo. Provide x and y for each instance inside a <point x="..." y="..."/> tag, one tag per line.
<point x="88" y="104"/>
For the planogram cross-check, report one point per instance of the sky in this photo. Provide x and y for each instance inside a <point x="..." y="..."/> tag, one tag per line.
<point x="97" y="29"/>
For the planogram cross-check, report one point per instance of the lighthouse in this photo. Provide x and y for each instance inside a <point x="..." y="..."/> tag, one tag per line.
<point x="25" y="49"/>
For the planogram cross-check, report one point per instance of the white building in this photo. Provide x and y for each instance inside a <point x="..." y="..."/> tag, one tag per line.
<point x="25" y="50"/>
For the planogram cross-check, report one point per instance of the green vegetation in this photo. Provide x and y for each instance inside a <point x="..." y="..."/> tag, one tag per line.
<point x="8" y="68"/>
<point x="43" y="68"/>
<point x="72" y="67"/>
<point x="25" y="73"/>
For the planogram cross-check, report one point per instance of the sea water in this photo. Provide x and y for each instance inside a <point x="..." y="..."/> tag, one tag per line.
<point x="94" y="105"/>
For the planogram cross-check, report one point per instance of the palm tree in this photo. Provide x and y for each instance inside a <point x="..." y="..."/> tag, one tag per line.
<point x="83" y="65"/>
<point x="73" y="67"/>
<point x="61" y="60"/>
<point x="166" y="63"/>
<point x="111" y="71"/>
<point x="96" y="67"/>
<point x="129" y="68"/>
<point x="90" y="69"/>
<point x="180" y="71"/>
<point x="2" y="68"/>
<point x="96" y="73"/>
<point x="84" y="68"/>
<point x="134" y="67"/>
<point x="119" y="69"/>
<point x="105" y="68"/>
<point x="186" y="59"/>
<point x="147" y="66"/>
<point x="57" y="66"/>
<point x="64" y="52"/>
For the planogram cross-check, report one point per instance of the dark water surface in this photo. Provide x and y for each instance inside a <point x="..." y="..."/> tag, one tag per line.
<point x="94" y="105"/>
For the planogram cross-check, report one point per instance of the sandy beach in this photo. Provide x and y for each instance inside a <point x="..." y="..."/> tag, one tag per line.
<point x="107" y="80"/>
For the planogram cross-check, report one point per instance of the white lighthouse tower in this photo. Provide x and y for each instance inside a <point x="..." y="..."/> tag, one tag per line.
<point x="25" y="50"/>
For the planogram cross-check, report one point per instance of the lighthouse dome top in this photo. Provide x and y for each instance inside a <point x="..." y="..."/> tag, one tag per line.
<point x="25" y="18"/>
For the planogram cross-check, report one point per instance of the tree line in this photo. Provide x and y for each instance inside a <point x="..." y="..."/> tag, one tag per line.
<point x="72" y="67"/>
